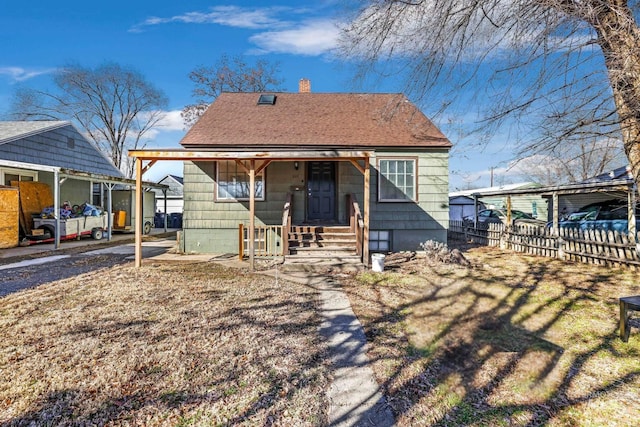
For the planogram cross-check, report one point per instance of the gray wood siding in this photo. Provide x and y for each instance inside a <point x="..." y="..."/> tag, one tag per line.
<point x="414" y="222"/>
<point x="54" y="148"/>
<point x="211" y="226"/>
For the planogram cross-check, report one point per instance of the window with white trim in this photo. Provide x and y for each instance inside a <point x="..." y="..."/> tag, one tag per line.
<point x="9" y="175"/>
<point x="233" y="182"/>
<point x="397" y="180"/>
<point x="380" y="240"/>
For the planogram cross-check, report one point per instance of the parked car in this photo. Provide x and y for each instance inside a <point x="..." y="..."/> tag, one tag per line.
<point x="487" y="216"/>
<point x="609" y="215"/>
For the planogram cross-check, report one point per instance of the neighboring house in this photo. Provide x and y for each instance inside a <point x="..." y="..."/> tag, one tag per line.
<point x="496" y="198"/>
<point x="34" y="150"/>
<point x="308" y="153"/>
<point x="174" y="195"/>
<point x="57" y="154"/>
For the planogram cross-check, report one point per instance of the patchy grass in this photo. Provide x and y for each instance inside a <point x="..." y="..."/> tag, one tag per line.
<point x="167" y="344"/>
<point x="512" y="340"/>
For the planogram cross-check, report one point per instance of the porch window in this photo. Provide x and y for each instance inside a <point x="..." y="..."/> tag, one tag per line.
<point x="233" y="182"/>
<point x="380" y="240"/>
<point x="9" y="175"/>
<point x="397" y="180"/>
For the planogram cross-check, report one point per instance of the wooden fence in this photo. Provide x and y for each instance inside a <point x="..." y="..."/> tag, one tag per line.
<point x="588" y="246"/>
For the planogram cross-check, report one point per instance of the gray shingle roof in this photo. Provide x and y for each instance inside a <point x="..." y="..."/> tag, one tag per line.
<point x="53" y="143"/>
<point x="10" y="131"/>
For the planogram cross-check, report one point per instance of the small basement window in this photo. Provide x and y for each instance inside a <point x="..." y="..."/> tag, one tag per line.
<point x="380" y="240"/>
<point x="267" y="99"/>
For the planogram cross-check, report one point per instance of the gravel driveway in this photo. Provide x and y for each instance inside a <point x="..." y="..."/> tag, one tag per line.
<point x="58" y="268"/>
<point x="27" y="272"/>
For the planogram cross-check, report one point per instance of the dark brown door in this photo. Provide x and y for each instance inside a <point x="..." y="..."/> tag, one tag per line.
<point x="321" y="191"/>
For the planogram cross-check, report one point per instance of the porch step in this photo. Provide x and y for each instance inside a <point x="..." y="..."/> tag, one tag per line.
<point x="322" y="241"/>
<point x="323" y="251"/>
<point x="344" y="263"/>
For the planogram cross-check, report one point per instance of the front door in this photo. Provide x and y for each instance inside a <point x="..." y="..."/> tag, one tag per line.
<point x="321" y="191"/>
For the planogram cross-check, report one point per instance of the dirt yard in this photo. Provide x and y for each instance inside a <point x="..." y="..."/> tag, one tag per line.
<point x="509" y="340"/>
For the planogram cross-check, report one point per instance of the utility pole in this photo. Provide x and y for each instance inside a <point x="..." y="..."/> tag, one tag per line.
<point x="492" y="168"/>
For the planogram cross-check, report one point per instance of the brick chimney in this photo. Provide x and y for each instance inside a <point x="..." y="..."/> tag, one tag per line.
<point x="304" y="86"/>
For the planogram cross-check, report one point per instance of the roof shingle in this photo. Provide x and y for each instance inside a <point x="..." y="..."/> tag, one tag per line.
<point x="314" y="120"/>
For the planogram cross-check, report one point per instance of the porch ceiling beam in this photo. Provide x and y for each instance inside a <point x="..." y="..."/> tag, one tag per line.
<point x="148" y="166"/>
<point x="186" y="155"/>
<point x="242" y="166"/>
<point x="258" y="169"/>
<point x="357" y="164"/>
<point x="262" y="166"/>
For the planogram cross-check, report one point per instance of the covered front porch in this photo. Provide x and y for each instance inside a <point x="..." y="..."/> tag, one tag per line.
<point x="303" y="192"/>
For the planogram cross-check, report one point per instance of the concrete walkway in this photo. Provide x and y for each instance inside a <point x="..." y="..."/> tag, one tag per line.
<point x="356" y="398"/>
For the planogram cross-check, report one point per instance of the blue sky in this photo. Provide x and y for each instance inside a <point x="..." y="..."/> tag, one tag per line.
<point x="165" y="40"/>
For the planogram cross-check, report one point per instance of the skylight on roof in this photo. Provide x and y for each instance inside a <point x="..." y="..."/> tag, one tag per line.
<point x="267" y="99"/>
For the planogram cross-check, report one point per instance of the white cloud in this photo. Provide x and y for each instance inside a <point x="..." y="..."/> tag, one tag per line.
<point x="19" y="74"/>
<point x="282" y="35"/>
<point x="172" y="121"/>
<point x="310" y="38"/>
<point x="232" y="16"/>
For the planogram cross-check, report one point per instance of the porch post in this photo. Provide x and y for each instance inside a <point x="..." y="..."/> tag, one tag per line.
<point x="139" y="219"/>
<point x="252" y="212"/>
<point x="367" y="179"/>
<point x="56" y="208"/>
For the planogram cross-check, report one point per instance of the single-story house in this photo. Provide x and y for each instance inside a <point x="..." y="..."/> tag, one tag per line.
<point x="27" y="147"/>
<point x="370" y="164"/>
<point x="57" y="154"/>
<point x="170" y="200"/>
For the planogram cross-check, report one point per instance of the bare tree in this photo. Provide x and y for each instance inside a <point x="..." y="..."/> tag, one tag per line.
<point x="566" y="69"/>
<point x="114" y="105"/>
<point x="228" y="75"/>
<point x="572" y="163"/>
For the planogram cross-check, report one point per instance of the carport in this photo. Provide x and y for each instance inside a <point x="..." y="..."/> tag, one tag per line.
<point x="621" y="188"/>
<point x="62" y="174"/>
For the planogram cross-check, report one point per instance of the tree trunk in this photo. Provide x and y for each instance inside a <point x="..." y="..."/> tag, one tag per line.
<point x="619" y="39"/>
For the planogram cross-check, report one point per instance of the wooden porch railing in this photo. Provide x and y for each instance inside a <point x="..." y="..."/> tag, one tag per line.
<point x="270" y="240"/>
<point x="356" y="222"/>
<point x="267" y="239"/>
